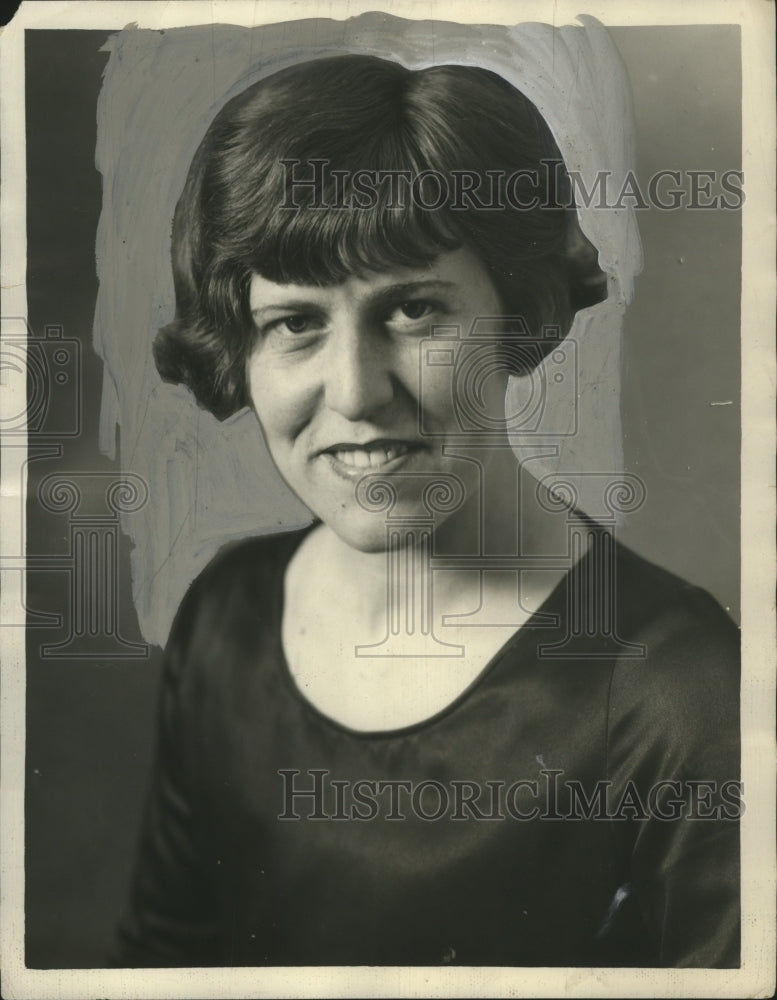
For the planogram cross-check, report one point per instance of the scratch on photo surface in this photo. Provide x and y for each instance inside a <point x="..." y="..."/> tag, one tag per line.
<point x="621" y="895"/>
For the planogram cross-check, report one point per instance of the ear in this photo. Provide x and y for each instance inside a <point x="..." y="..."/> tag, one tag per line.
<point x="587" y="281"/>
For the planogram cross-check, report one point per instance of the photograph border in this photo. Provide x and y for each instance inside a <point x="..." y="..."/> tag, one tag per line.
<point x="756" y="975"/>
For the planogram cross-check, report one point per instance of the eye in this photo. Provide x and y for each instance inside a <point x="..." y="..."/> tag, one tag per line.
<point x="411" y="311"/>
<point x="291" y="332"/>
<point x="295" y="324"/>
<point x="416" y="308"/>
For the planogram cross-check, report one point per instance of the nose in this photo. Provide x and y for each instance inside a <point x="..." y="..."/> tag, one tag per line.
<point x="358" y="376"/>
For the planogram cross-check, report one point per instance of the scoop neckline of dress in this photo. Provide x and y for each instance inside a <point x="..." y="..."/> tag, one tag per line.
<point x="548" y="606"/>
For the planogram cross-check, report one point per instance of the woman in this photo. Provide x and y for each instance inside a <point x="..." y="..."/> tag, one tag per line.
<point x="349" y="770"/>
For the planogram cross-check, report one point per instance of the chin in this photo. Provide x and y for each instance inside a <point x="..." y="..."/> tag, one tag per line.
<point x="365" y="534"/>
<point x="366" y="545"/>
<point x="368" y="532"/>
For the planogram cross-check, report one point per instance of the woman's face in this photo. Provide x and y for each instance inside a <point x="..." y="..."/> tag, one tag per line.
<point x="341" y="387"/>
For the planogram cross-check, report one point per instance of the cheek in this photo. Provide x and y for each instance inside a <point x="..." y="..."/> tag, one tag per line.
<point x="436" y="389"/>
<point x="473" y="384"/>
<point x="281" y="402"/>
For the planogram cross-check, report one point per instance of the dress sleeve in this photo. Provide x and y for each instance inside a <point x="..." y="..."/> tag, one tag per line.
<point x="171" y="916"/>
<point x="674" y="761"/>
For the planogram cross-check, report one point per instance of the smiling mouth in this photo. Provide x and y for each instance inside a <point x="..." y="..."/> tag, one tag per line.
<point x="375" y="455"/>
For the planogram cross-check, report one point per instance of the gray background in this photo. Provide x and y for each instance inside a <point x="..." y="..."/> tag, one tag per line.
<point x="91" y="722"/>
<point x="681" y="340"/>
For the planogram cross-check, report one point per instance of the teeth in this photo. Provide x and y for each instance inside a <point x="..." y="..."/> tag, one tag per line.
<point x="370" y="458"/>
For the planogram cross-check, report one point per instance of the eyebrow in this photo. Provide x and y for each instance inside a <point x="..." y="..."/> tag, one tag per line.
<point x="382" y="297"/>
<point x="288" y="305"/>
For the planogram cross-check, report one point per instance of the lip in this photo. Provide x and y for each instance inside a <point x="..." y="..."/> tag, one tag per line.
<point x="351" y="472"/>
<point x="374" y="442"/>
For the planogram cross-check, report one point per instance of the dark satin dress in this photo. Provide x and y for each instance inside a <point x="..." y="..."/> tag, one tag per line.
<point x="524" y="825"/>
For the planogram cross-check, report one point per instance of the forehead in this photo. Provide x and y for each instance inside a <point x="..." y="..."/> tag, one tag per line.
<point x="459" y="272"/>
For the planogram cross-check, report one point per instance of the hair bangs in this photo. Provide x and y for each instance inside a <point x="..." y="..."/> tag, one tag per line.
<point x="342" y="227"/>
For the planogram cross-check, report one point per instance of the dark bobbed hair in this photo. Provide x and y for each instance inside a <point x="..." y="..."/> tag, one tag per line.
<point x="360" y="113"/>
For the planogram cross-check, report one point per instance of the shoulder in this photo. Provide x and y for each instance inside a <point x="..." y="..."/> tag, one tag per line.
<point x="670" y="616"/>
<point x="246" y="562"/>
<point x="680" y="688"/>
<point x="242" y="583"/>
